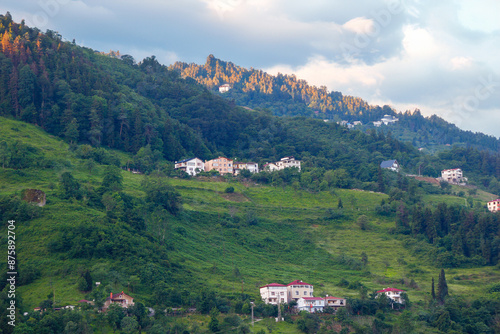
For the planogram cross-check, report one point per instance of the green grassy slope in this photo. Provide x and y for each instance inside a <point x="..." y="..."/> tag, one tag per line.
<point x="226" y="242"/>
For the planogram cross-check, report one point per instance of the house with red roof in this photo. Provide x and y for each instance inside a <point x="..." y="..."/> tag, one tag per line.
<point x="392" y="293"/>
<point x="311" y="304"/>
<point x="298" y="289"/>
<point x="121" y="299"/>
<point x="274" y="293"/>
<point x="494" y="205"/>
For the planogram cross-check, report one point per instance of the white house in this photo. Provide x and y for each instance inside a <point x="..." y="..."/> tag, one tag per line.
<point x="298" y="289"/>
<point x="271" y="167"/>
<point x="191" y="166"/>
<point x="389" y="119"/>
<point x="377" y="123"/>
<point x="271" y="292"/>
<point x="494" y="205"/>
<point x="453" y="176"/>
<point x="224" y="88"/>
<point x="334" y="302"/>
<point x="288" y="162"/>
<point x="392" y="293"/>
<point x="390" y="164"/>
<point x="311" y="304"/>
<point x="253" y="167"/>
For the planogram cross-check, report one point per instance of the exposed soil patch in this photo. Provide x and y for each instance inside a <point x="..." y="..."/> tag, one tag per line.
<point x="235" y="197"/>
<point x="432" y="180"/>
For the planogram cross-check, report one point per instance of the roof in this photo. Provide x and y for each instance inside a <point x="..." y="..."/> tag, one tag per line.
<point x="312" y="298"/>
<point x="273" y="285"/>
<point x="444" y="170"/>
<point x="495" y="200"/>
<point x="185" y="160"/>
<point x="117" y="295"/>
<point x="387" y="163"/>
<point x="298" y="282"/>
<point x="335" y="298"/>
<point x="390" y="289"/>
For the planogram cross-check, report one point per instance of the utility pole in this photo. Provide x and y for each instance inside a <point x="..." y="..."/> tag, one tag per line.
<point x="279" y="307"/>
<point x="252" y="303"/>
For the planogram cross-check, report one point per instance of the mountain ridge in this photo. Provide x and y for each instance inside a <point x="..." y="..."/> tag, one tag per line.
<point x="286" y="95"/>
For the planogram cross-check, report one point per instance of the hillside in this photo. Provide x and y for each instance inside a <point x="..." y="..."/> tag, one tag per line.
<point x="287" y="95"/>
<point x="73" y="122"/>
<point x="225" y="243"/>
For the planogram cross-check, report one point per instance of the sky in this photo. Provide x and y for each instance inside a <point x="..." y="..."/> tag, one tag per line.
<point x="441" y="57"/>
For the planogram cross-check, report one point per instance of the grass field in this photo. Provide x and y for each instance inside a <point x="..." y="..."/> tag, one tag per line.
<point x="268" y="234"/>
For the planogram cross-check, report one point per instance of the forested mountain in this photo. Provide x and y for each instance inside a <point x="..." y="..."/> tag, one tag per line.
<point x="88" y="98"/>
<point x="286" y="95"/>
<point x="174" y="242"/>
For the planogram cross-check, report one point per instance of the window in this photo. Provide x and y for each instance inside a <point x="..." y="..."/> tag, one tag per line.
<point x="272" y="293"/>
<point x="305" y="293"/>
<point x="282" y="293"/>
<point x="311" y="293"/>
<point x="296" y="293"/>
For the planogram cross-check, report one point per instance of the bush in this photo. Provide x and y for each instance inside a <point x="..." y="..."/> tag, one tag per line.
<point x="229" y="190"/>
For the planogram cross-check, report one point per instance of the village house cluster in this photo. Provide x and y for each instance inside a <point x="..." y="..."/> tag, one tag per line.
<point x="303" y="294"/>
<point x="386" y="120"/>
<point x="224" y="165"/>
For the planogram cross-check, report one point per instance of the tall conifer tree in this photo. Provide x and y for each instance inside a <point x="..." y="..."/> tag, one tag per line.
<point x="442" y="287"/>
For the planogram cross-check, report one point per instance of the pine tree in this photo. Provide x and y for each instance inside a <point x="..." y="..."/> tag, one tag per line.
<point x="433" y="292"/>
<point x="442" y="288"/>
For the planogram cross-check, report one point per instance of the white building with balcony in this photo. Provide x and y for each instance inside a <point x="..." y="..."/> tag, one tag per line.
<point x="274" y="293"/>
<point x="191" y="166"/>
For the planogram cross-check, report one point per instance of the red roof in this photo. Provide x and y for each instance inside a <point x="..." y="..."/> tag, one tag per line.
<point x="335" y="298"/>
<point x="390" y="289"/>
<point x="272" y="284"/>
<point x="298" y="282"/>
<point x="312" y="298"/>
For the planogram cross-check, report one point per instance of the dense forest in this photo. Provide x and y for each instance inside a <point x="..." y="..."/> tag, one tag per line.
<point x="87" y="98"/>
<point x="172" y="246"/>
<point x="286" y="95"/>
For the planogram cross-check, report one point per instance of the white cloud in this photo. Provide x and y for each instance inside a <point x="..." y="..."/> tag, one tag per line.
<point x="359" y="25"/>
<point x="460" y="62"/>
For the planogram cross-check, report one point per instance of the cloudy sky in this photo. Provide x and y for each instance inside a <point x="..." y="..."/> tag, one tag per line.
<point x="442" y="57"/>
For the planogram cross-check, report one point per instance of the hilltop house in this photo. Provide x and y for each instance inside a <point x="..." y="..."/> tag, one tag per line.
<point x="389" y="119"/>
<point x="392" y="293"/>
<point x="271" y="292"/>
<point x="494" y="205"/>
<point x="311" y="304"/>
<point x="390" y="164"/>
<point x="298" y="289"/>
<point x="454" y="176"/>
<point x="221" y="164"/>
<point x="191" y="166"/>
<point x="121" y="299"/>
<point x="253" y="167"/>
<point x="224" y="88"/>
